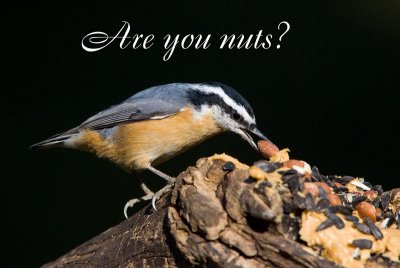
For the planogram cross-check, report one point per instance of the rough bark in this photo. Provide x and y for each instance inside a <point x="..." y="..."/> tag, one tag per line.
<point x="212" y="218"/>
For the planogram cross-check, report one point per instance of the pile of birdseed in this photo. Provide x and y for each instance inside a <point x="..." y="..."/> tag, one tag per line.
<point x="342" y="218"/>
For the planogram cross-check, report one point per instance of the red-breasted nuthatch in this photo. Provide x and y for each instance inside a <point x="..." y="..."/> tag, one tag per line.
<point x="158" y="123"/>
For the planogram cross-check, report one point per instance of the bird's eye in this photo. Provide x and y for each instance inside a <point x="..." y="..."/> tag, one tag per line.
<point x="236" y="116"/>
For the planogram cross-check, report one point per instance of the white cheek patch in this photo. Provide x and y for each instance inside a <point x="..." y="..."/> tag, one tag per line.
<point x="220" y="92"/>
<point x="204" y="109"/>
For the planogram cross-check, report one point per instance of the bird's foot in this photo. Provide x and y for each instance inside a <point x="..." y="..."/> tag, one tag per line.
<point x="132" y="202"/>
<point x="149" y="195"/>
<point x="160" y="193"/>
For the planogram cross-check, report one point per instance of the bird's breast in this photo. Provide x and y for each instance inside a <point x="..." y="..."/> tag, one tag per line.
<point x="137" y="145"/>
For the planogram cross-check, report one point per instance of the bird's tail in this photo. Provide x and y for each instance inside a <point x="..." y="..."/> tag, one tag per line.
<point x="54" y="141"/>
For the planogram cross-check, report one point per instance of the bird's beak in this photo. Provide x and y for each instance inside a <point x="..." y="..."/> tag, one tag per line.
<point x="244" y="133"/>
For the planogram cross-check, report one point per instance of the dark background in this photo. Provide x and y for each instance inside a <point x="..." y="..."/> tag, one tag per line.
<point x="330" y="94"/>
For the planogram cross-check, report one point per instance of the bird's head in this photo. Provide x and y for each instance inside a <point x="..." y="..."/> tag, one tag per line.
<point x="229" y="109"/>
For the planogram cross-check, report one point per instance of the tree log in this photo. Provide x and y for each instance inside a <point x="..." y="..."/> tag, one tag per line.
<point x="212" y="218"/>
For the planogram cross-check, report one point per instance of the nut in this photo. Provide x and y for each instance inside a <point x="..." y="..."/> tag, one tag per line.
<point x="310" y="187"/>
<point x="366" y="209"/>
<point x="293" y="162"/>
<point x="337" y="184"/>
<point x="371" y="195"/>
<point x="267" y="148"/>
<point x="324" y="186"/>
<point x="334" y="199"/>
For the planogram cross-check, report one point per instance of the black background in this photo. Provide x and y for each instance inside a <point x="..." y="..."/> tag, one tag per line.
<point x="330" y="94"/>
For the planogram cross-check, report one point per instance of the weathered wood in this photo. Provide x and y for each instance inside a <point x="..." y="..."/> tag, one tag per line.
<point x="212" y="218"/>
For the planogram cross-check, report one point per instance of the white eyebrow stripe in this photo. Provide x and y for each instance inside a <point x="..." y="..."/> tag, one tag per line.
<point x="228" y="100"/>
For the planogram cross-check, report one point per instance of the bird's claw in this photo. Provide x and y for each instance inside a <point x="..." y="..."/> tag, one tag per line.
<point x="150" y="195"/>
<point x="132" y="202"/>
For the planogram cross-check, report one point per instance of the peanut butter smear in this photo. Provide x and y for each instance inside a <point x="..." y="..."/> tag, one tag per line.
<point x="337" y="244"/>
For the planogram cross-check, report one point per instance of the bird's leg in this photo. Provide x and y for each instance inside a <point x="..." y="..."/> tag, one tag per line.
<point x="132" y="202"/>
<point x="165" y="189"/>
<point x="166" y="177"/>
<point x="149" y="194"/>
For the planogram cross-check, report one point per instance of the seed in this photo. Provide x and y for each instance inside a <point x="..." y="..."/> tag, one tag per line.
<point x="342" y="180"/>
<point x="349" y="198"/>
<point x="264" y="184"/>
<point x="288" y="172"/>
<point x="293" y="184"/>
<point x="321" y="192"/>
<point x="316" y="175"/>
<point x="385" y="200"/>
<point x="289" y="207"/>
<point x="373" y="228"/>
<point x="351" y="218"/>
<point x="325" y="224"/>
<point x="288" y="176"/>
<point x="357" y="199"/>
<point x="322" y="204"/>
<point x="267" y="166"/>
<point x="368" y="184"/>
<point x="299" y="201"/>
<point x="228" y="166"/>
<point x="378" y="188"/>
<point x="366" y="209"/>
<point x="357" y="254"/>
<point x="310" y="205"/>
<point x="362" y="243"/>
<point x="342" y="189"/>
<point x="344" y="210"/>
<point x="386" y="223"/>
<point x="376" y="201"/>
<point x="363" y="228"/>
<point x="360" y="185"/>
<point x="266" y="148"/>
<point x="336" y="220"/>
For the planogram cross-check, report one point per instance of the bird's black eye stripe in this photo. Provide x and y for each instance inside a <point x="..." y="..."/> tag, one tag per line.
<point x="198" y="98"/>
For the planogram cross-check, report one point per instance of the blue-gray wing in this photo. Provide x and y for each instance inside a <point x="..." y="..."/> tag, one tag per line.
<point x="153" y="103"/>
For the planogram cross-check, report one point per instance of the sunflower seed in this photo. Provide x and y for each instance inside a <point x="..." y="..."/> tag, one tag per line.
<point x="357" y="199"/>
<point x="362" y="227"/>
<point x="362" y="243"/>
<point x="378" y="188"/>
<point x="376" y="201"/>
<point x="385" y="200"/>
<point x="344" y="210"/>
<point x="310" y="205"/>
<point x="342" y="189"/>
<point x="325" y="224"/>
<point x="322" y="204"/>
<point x="293" y="183"/>
<point x="336" y="220"/>
<point x="299" y="201"/>
<point x="351" y="218"/>
<point x="373" y="228"/>
<point x="321" y="192"/>
<point x="343" y="179"/>
<point x="316" y="175"/>
<point x="268" y="166"/>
